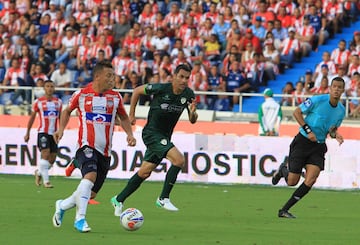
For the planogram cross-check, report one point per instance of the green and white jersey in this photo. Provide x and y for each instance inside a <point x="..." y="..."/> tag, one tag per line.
<point x="165" y="108"/>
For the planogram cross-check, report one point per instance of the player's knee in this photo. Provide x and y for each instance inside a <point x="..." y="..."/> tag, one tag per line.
<point x="144" y="174"/>
<point x="310" y="181"/>
<point x="179" y="162"/>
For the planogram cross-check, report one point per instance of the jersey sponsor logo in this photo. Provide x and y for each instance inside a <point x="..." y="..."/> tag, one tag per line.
<point x="109" y="103"/>
<point x="88" y="152"/>
<point x="183" y="100"/>
<point x="166" y="97"/>
<point x="51" y="113"/>
<point x="99" y="108"/>
<point x="98" y="118"/>
<point x="149" y="87"/>
<point x="171" y="108"/>
<point x="307" y="102"/>
<point x="88" y="102"/>
<point x="163" y="142"/>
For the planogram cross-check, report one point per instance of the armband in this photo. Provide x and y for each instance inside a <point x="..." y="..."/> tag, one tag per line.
<point x="307" y="128"/>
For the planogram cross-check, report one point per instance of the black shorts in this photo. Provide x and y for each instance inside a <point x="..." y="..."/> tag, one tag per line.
<point x="46" y="141"/>
<point x="157" y="147"/>
<point x="90" y="160"/>
<point x="303" y="151"/>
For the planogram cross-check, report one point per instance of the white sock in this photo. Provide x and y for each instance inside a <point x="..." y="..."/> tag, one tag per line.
<point x="82" y="197"/>
<point x="69" y="202"/>
<point x="44" y="166"/>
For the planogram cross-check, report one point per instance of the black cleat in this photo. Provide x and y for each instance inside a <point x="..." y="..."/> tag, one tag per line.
<point x="285" y="214"/>
<point x="278" y="174"/>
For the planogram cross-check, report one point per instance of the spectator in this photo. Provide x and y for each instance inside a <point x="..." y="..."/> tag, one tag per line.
<point x="236" y="82"/>
<point x="308" y="81"/>
<point x="138" y="65"/>
<point x="272" y="60"/>
<point x="340" y="55"/>
<point x="342" y="71"/>
<point x="324" y="87"/>
<point x="67" y="51"/>
<point x="325" y="61"/>
<point x="299" y="93"/>
<point x="215" y="84"/>
<point x="160" y="42"/>
<point x="212" y="49"/>
<point x="354" y="65"/>
<point x="258" y="29"/>
<point x="269" y="115"/>
<point x="131" y="82"/>
<point x="323" y="73"/>
<point x="306" y="36"/>
<point x="52" y="43"/>
<point x="220" y="28"/>
<point x="290" y="49"/>
<point x="288" y="90"/>
<point x="62" y="78"/>
<point x="250" y="38"/>
<point x="318" y="22"/>
<point x="45" y="61"/>
<point x="120" y="29"/>
<point x="14" y="76"/>
<point x="279" y="32"/>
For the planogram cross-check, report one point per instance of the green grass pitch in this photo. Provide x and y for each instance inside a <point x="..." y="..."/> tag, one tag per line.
<point x="209" y="214"/>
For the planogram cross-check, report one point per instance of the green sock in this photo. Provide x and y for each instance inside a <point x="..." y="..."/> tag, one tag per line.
<point x="132" y="185"/>
<point x="76" y="163"/>
<point x="170" y="180"/>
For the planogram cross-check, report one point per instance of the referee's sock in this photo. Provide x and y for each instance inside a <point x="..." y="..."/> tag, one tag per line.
<point x="299" y="193"/>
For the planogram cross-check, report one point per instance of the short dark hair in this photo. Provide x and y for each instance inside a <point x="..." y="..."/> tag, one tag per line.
<point x="101" y="65"/>
<point x="338" y="79"/>
<point x="182" y="67"/>
<point x="48" y="81"/>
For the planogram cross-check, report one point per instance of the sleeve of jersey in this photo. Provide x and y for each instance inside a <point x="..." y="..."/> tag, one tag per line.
<point x="152" y="88"/>
<point x="74" y="100"/>
<point x="307" y="105"/>
<point x="35" y="106"/>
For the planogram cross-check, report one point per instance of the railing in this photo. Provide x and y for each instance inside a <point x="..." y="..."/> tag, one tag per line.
<point x="240" y="95"/>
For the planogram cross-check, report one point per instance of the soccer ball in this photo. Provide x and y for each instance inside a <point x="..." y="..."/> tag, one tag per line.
<point x="131" y="219"/>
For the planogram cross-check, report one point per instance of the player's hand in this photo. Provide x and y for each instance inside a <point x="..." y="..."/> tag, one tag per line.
<point x="131" y="140"/>
<point x="312" y="137"/>
<point x="26" y="138"/>
<point x="192" y="106"/>
<point x="132" y="119"/>
<point x="57" y="136"/>
<point x="339" y="138"/>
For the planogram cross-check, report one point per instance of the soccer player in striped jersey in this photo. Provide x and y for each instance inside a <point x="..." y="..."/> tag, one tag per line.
<point x="48" y="107"/>
<point x="98" y="106"/>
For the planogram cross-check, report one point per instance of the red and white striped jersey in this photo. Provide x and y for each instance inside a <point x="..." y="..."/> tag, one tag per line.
<point x="49" y="112"/>
<point x="97" y="113"/>
<point x="330" y="64"/>
<point x="13" y="74"/>
<point x="58" y="25"/>
<point x="14" y="27"/>
<point x="107" y="49"/>
<point x="81" y="16"/>
<point x="84" y="53"/>
<point x="352" y="69"/>
<point x="289" y="44"/>
<point x="174" y="20"/>
<point x="193" y="43"/>
<point x="137" y="67"/>
<point x="340" y="57"/>
<point x="121" y="65"/>
<point x="145" y="19"/>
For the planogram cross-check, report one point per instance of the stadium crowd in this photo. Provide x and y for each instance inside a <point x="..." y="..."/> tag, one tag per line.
<point x="231" y="45"/>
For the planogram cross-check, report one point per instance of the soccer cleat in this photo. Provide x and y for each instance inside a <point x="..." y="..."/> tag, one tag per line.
<point x="37" y="178"/>
<point x="93" y="202"/>
<point x="278" y="174"/>
<point x="285" y="214"/>
<point x="58" y="215"/>
<point x="70" y="168"/>
<point x="166" y="204"/>
<point x="117" y="206"/>
<point x="48" y="185"/>
<point x="82" y="226"/>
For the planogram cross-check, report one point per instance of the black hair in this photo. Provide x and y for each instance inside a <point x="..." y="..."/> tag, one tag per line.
<point x="182" y="67"/>
<point x="338" y="79"/>
<point x="101" y="65"/>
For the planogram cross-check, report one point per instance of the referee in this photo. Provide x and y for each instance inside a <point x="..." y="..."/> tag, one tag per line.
<point x="324" y="114"/>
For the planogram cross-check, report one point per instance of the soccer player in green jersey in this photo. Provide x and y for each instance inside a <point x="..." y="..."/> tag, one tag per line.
<point x="169" y="101"/>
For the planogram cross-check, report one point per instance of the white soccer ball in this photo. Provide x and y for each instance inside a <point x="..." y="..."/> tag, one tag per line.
<point x="131" y="219"/>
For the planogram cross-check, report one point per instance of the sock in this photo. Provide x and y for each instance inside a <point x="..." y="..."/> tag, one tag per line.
<point x="82" y="198"/>
<point x="69" y="202"/>
<point x="299" y="193"/>
<point x="170" y="180"/>
<point x="44" y="166"/>
<point x="132" y="185"/>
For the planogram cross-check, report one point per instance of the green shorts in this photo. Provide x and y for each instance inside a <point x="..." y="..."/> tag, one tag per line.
<point x="157" y="146"/>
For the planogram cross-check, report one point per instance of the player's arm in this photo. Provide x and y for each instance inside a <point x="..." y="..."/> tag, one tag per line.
<point x="298" y="115"/>
<point x="333" y="132"/>
<point x="64" y="119"/>
<point x="126" y="125"/>
<point x="193" y="116"/>
<point x="134" y="100"/>
<point x="29" y="125"/>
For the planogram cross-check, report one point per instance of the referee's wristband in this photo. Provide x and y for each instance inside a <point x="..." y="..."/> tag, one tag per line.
<point x="307" y="128"/>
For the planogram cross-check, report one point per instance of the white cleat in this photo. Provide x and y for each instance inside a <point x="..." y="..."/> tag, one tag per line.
<point x="166" y="204"/>
<point x="117" y="206"/>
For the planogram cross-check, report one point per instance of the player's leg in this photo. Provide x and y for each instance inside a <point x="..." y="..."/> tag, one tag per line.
<point x="177" y="159"/>
<point x="71" y="167"/>
<point x="132" y="185"/>
<point x="44" y="166"/>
